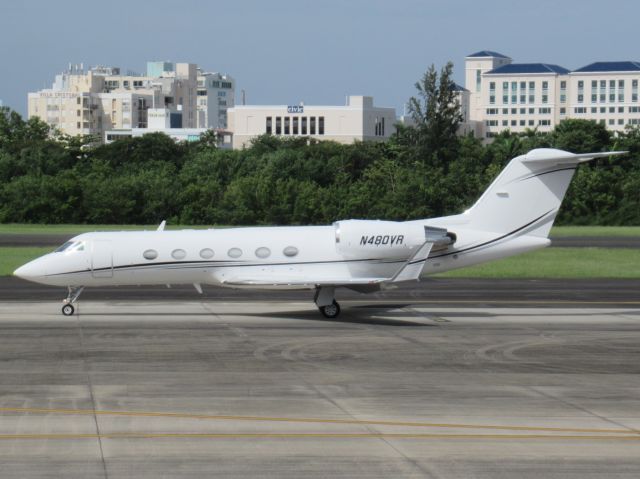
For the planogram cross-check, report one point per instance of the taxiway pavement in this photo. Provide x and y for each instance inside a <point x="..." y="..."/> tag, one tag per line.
<point x="240" y="389"/>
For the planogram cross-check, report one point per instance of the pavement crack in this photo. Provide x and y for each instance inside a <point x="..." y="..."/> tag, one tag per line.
<point x="85" y="362"/>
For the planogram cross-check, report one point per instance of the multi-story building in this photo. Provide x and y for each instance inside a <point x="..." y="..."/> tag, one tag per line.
<point x="521" y="96"/>
<point x="100" y="99"/>
<point x="216" y="94"/>
<point x="358" y="120"/>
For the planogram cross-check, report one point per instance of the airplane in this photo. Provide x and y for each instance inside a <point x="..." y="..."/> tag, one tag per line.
<point x="514" y="215"/>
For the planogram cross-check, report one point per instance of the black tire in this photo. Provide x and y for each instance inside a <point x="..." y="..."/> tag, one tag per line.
<point x="330" y="311"/>
<point x="68" y="309"/>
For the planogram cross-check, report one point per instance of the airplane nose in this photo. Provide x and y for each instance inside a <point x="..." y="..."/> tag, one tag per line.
<point x="29" y="271"/>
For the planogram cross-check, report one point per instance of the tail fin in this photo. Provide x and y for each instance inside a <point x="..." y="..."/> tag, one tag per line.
<point x="527" y="194"/>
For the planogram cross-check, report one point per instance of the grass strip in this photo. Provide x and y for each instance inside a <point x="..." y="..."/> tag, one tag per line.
<point x="559" y="263"/>
<point x="549" y="263"/>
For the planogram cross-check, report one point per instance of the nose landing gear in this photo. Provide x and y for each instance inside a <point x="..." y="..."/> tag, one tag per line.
<point x="72" y="297"/>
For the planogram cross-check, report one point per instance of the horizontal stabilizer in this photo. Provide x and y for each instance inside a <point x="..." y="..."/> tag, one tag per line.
<point x="546" y="156"/>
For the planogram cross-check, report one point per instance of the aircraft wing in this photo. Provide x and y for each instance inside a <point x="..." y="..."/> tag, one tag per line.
<point x="344" y="281"/>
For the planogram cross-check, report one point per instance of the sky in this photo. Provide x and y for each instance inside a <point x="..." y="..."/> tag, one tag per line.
<point x="287" y="51"/>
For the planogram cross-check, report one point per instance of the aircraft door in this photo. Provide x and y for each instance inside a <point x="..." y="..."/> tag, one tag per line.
<point x="101" y="259"/>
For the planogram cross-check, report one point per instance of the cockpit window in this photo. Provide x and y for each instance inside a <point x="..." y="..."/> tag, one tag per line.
<point x="64" y="247"/>
<point x="71" y="246"/>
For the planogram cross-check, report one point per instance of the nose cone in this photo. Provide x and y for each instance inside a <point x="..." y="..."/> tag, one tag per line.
<point x="31" y="271"/>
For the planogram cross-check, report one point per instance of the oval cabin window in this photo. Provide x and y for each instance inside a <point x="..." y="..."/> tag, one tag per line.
<point x="235" y="252"/>
<point x="150" y="254"/>
<point x="206" y="253"/>
<point x="178" y="254"/>
<point x="290" y="251"/>
<point x="263" y="252"/>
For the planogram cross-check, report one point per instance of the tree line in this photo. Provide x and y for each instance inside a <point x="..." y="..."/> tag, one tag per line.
<point x="422" y="171"/>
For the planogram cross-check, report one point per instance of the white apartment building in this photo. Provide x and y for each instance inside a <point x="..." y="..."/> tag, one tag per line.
<point x="521" y="96"/>
<point x="216" y="94"/>
<point x="358" y="120"/>
<point x="160" y="120"/>
<point x="101" y="99"/>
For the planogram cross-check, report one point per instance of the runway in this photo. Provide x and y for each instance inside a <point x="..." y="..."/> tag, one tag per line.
<point x="252" y="388"/>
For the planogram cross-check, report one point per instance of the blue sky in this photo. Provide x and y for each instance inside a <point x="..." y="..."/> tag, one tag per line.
<point x="286" y="51"/>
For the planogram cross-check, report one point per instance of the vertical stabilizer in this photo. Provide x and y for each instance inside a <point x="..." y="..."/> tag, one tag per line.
<point x="527" y="194"/>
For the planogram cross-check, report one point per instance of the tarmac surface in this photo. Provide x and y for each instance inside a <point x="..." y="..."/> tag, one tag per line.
<point x="251" y="388"/>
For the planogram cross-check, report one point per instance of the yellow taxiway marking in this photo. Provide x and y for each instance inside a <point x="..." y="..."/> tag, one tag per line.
<point x="631" y="432"/>
<point x="488" y="301"/>
<point x="143" y="435"/>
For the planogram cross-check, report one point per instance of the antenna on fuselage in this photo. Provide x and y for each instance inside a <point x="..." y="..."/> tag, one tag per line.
<point x="162" y="225"/>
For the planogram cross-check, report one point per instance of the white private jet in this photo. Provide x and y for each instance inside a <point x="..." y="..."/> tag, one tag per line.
<point x="513" y="215"/>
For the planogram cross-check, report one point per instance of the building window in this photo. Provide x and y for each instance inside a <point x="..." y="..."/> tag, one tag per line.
<point x="492" y="99"/>
<point x="514" y="123"/>
<point x="505" y="111"/>
<point x="620" y="121"/>
<point x="530" y="122"/>
<point x="545" y="98"/>
<point x="545" y="85"/>
<point x="532" y="98"/>
<point x="532" y="111"/>
<point x="522" y="122"/>
<point x="620" y="109"/>
<point x="505" y="122"/>
<point x="594" y="109"/>
<point x="603" y="109"/>
<point x="478" y="80"/>
<point x="492" y="86"/>
<point x="544" y="122"/>
<point x="580" y="110"/>
<point x="563" y="111"/>
<point x="612" y="109"/>
<point x="523" y="85"/>
<point x="269" y="128"/>
<point x="321" y="125"/>
<point x="287" y="126"/>
<point x="505" y="98"/>
<point x="303" y="125"/>
<point x="523" y="111"/>
<point x="278" y="125"/>
<point x="580" y="85"/>
<point x="580" y="98"/>
<point x="611" y="121"/>
<point x="295" y="125"/>
<point x="312" y="125"/>
<point x="594" y="98"/>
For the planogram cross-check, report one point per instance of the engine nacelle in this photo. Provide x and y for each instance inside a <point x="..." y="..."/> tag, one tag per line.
<point x="371" y="238"/>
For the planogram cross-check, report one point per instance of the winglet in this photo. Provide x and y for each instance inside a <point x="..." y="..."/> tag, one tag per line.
<point x="414" y="266"/>
<point x="162" y="225"/>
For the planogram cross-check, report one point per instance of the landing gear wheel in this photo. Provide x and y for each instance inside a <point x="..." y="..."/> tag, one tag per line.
<point x="68" y="309"/>
<point x="330" y="311"/>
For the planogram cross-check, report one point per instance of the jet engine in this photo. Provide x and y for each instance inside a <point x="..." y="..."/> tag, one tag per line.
<point x="388" y="239"/>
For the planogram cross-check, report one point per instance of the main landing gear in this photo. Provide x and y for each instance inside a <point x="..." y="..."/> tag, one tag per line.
<point x="72" y="297"/>
<point x="326" y="302"/>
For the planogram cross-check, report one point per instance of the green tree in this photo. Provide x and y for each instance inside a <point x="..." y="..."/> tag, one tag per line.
<point x="436" y="112"/>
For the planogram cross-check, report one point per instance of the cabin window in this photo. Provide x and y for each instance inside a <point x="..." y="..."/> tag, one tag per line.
<point x="178" y="254"/>
<point x="235" y="252"/>
<point x="263" y="252"/>
<point x="206" y="253"/>
<point x="290" y="251"/>
<point x="150" y="254"/>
